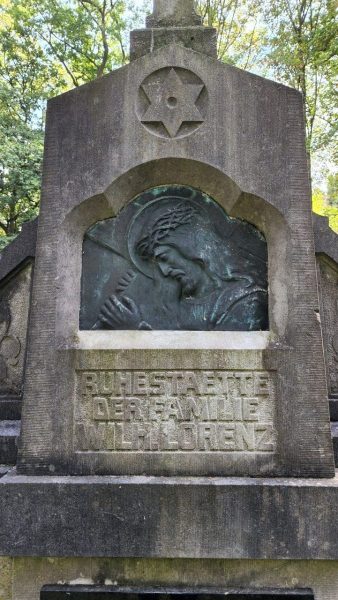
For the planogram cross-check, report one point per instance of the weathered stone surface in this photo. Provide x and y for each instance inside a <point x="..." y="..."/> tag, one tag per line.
<point x="326" y="243"/>
<point x="199" y="39"/>
<point x="173" y="21"/>
<point x="89" y="405"/>
<point x="207" y="419"/>
<point x="30" y="574"/>
<point x="334" y="409"/>
<point x="9" y="433"/>
<point x="243" y="144"/>
<point x="15" y="284"/>
<point x="6" y="578"/>
<point x="10" y="408"/>
<point x="326" y="240"/>
<point x="328" y="283"/>
<point x="167" y="13"/>
<point x="168" y="517"/>
<point x="4" y="469"/>
<point x="334" y="428"/>
<point x="14" y="309"/>
<point x="22" y="249"/>
<point x="16" y="263"/>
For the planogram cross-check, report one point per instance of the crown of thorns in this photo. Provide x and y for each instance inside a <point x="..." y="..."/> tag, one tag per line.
<point x="171" y="220"/>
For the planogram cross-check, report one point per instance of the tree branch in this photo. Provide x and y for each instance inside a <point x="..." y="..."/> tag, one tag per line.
<point x="4" y="227"/>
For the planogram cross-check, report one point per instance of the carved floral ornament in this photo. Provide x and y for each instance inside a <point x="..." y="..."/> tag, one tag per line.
<point x="10" y="348"/>
<point x="172" y="102"/>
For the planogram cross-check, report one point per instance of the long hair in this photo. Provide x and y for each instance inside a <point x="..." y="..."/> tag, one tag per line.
<point x="189" y="229"/>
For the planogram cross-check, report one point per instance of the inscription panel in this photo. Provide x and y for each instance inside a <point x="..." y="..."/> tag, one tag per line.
<point x="175" y="411"/>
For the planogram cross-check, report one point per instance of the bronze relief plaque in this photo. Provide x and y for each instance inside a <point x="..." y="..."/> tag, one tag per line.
<point x="174" y="260"/>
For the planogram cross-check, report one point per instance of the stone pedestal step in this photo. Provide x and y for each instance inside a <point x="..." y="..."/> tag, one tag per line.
<point x="334" y="429"/>
<point x="4" y="469"/>
<point x="9" y="432"/>
<point x="169" y="517"/>
<point x="334" y="409"/>
<point x="10" y="408"/>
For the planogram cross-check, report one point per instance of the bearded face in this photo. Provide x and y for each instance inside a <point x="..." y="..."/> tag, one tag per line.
<point x="173" y="263"/>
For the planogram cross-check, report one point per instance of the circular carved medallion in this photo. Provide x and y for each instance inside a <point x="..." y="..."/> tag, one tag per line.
<point x="172" y="102"/>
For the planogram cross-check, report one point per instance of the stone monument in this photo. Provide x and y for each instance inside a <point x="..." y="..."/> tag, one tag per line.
<point x="189" y="216"/>
<point x="175" y="400"/>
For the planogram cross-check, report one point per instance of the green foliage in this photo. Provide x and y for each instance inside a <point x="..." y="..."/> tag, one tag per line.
<point x="85" y="37"/>
<point x="50" y="47"/>
<point x="45" y="51"/>
<point x="332" y="190"/>
<point x="303" y="53"/>
<point x="303" y="40"/>
<point x="296" y="43"/>
<point x="240" y="29"/>
<point x="322" y="206"/>
<point x="25" y="83"/>
<point x="20" y="173"/>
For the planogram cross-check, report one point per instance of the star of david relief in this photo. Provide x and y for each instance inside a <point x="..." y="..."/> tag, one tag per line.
<point x="172" y="102"/>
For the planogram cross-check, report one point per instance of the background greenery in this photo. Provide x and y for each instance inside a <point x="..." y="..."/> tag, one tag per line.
<point x="52" y="46"/>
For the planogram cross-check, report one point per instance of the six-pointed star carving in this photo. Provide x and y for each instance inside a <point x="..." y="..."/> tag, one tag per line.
<point x="172" y="103"/>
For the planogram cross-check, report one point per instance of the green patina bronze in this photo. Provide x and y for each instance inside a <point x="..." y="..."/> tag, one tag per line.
<point x="174" y="260"/>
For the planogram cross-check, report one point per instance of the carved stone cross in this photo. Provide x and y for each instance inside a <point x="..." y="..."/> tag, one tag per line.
<point x="173" y="13"/>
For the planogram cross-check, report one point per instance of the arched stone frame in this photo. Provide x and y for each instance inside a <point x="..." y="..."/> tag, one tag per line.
<point x="124" y="189"/>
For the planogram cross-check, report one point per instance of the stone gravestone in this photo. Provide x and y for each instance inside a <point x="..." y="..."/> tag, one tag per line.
<point x="175" y="316"/>
<point x="175" y="330"/>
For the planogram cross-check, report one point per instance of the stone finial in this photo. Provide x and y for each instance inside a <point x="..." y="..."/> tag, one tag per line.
<point x="173" y="22"/>
<point x="174" y="13"/>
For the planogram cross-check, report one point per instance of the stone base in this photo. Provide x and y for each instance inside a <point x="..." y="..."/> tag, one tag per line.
<point x="150" y="517"/>
<point x="9" y="432"/>
<point x="23" y="578"/>
<point x="334" y="429"/>
<point x="200" y="39"/>
<point x="334" y="409"/>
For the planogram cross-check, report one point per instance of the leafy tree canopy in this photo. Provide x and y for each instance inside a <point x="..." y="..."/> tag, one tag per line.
<point x="48" y="48"/>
